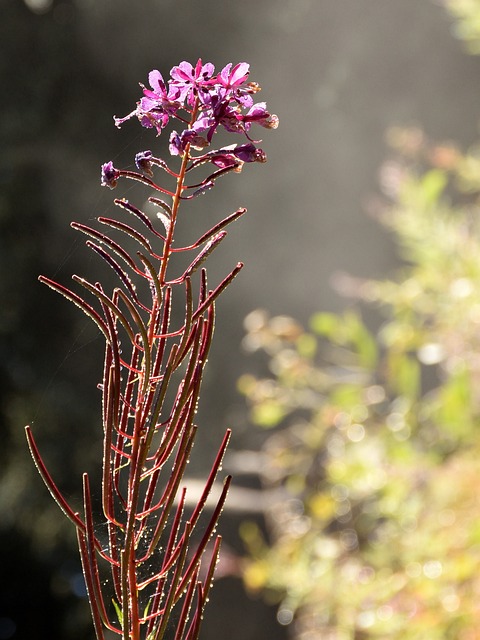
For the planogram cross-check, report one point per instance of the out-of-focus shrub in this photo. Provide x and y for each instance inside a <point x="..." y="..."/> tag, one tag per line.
<point x="467" y="24"/>
<point x="374" y="454"/>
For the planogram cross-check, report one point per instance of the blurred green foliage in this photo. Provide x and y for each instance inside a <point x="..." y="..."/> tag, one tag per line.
<point x="467" y="25"/>
<point x="374" y="457"/>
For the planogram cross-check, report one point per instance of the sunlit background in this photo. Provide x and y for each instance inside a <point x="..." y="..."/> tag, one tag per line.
<point x="339" y="74"/>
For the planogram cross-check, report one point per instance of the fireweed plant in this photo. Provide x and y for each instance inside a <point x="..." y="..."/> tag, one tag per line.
<point x="152" y="371"/>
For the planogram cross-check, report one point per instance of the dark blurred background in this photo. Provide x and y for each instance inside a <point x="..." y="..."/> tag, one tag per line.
<point x="338" y="73"/>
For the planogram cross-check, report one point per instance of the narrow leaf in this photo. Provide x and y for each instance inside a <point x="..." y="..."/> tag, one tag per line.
<point x="118" y="270"/>
<point x="130" y="231"/>
<point x="51" y="486"/>
<point x="109" y="303"/>
<point x="217" y="291"/>
<point x="215" y="229"/>
<point x="101" y="237"/>
<point x="79" y="302"/>
<point x="124" y="204"/>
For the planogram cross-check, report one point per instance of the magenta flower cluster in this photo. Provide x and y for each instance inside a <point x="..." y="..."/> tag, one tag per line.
<point x="202" y="102"/>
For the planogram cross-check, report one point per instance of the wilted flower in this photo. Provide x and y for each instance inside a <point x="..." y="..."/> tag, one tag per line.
<point x="178" y="142"/>
<point x="259" y="114"/>
<point x="110" y="175"/>
<point x="143" y="161"/>
<point x="229" y="156"/>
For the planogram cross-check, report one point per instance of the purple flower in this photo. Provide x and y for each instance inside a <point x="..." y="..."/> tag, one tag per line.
<point x="110" y="175"/>
<point x="234" y="155"/>
<point x="249" y="153"/>
<point x="259" y="114"/>
<point x="160" y="97"/>
<point x="222" y="113"/>
<point x="190" y="81"/>
<point x="153" y="119"/>
<point x="204" y="122"/>
<point x="232" y="84"/>
<point x="178" y="142"/>
<point x="143" y="160"/>
<point x="234" y="78"/>
<point x="159" y="88"/>
<point x="224" y="159"/>
<point x="157" y="105"/>
<point x="120" y="121"/>
<point x="175" y="144"/>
